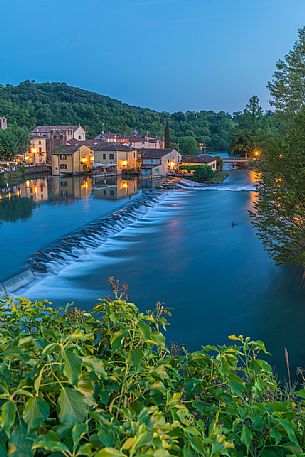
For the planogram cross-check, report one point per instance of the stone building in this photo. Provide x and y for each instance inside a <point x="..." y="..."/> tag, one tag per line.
<point x="71" y="160"/>
<point x="159" y="162"/>
<point x="58" y="135"/>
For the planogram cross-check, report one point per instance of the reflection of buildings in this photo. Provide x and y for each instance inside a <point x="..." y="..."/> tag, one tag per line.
<point x="114" y="189"/>
<point x="34" y="189"/>
<point x="66" y="189"/>
<point x="70" y="188"/>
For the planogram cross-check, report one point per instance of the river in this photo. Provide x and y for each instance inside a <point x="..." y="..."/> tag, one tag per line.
<point x="195" y="251"/>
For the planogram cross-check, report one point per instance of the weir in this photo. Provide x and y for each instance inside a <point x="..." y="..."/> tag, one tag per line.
<point x="93" y="235"/>
<point x="17" y="281"/>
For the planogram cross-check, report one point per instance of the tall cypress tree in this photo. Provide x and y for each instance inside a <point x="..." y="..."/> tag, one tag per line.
<point x="167" y="135"/>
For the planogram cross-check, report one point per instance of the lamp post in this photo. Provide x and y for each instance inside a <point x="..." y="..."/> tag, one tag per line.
<point x="200" y="147"/>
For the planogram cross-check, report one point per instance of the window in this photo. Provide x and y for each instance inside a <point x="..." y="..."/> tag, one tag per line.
<point x="111" y="192"/>
<point x="79" y="137"/>
<point x="63" y="166"/>
<point x="63" y="157"/>
<point x="39" y="142"/>
<point x="40" y="150"/>
<point x="111" y="156"/>
<point x="104" y="156"/>
<point x="63" y="183"/>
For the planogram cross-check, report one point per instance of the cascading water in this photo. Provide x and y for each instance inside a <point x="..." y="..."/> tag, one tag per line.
<point x="95" y="234"/>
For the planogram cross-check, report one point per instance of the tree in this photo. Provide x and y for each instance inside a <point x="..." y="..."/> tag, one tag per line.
<point x="188" y="145"/>
<point x="203" y="173"/>
<point x="254" y="109"/>
<point x="167" y="135"/>
<point x="13" y="141"/>
<point x="287" y="87"/>
<point x="280" y="210"/>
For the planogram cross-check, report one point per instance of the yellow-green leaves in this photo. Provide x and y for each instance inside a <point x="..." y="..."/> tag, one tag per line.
<point x="36" y="411"/>
<point x="8" y="413"/>
<point x="72" y="367"/>
<point x="72" y="406"/>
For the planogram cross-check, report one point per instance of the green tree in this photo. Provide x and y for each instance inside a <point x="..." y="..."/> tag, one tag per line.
<point x="167" y="135"/>
<point x="203" y="173"/>
<point x="280" y="211"/>
<point x="13" y="141"/>
<point x="188" y="145"/>
<point x="246" y="138"/>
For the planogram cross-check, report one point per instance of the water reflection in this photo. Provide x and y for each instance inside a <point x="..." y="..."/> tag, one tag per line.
<point x="68" y="189"/>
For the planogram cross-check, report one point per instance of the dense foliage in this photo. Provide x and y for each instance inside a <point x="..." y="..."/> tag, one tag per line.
<point x="29" y="104"/>
<point x="280" y="211"/>
<point x="104" y="383"/>
<point x="201" y="173"/>
<point x="252" y="128"/>
<point x="13" y="140"/>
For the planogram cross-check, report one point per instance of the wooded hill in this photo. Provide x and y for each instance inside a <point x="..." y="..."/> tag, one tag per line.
<point x="29" y="104"/>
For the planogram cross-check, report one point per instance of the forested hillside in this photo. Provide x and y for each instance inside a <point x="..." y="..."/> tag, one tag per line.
<point x="29" y="104"/>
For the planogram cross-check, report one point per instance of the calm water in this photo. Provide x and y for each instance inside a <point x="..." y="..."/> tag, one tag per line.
<point x="184" y="252"/>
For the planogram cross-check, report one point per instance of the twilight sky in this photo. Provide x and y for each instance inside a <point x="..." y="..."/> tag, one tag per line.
<point x="164" y="54"/>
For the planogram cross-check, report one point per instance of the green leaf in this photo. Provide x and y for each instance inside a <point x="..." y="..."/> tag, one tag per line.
<point x="109" y="452"/>
<point x="135" y="357"/>
<point x="36" y="411"/>
<point x="85" y="449"/>
<point x="50" y="442"/>
<point x="96" y="364"/>
<point x="72" y="405"/>
<point x="236" y="384"/>
<point x="72" y="367"/>
<point x="20" y="444"/>
<point x="246" y="438"/>
<point x="8" y="413"/>
<point x="300" y="393"/>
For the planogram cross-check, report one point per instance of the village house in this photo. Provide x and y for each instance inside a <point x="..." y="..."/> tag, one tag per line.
<point x="159" y="162"/>
<point x="197" y="160"/>
<point x="58" y="135"/>
<point x="71" y="159"/>
<point x="135" y="141"/>
<point x="3" y="123"/>
<point x="147" y="142"/>
<point x="115" y="158"/>
<point x="38" y="150"/>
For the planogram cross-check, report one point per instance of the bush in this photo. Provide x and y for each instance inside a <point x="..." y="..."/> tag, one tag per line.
<point x="104" y="383"/>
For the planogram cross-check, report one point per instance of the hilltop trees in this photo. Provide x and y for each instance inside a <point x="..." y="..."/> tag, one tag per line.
<point x="280" y="211"/>
<point x="29" y="104"/>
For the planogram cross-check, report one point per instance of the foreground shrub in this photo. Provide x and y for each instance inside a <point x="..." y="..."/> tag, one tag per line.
<point x="104" y="384"/>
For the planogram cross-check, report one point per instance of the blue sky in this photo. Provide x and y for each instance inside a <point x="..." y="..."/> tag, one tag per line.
<point x="164" y="54"/>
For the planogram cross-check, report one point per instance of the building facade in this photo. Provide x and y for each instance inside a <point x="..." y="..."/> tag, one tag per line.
<point x="115" y="158"/>
<point x="58" y="135"/>
<point x="159" y="162"/>
<point x="134" y="141"/>
<point x="193" y="161"/>
<point x="38" y="150"/>
<point x="71" y="160"/>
